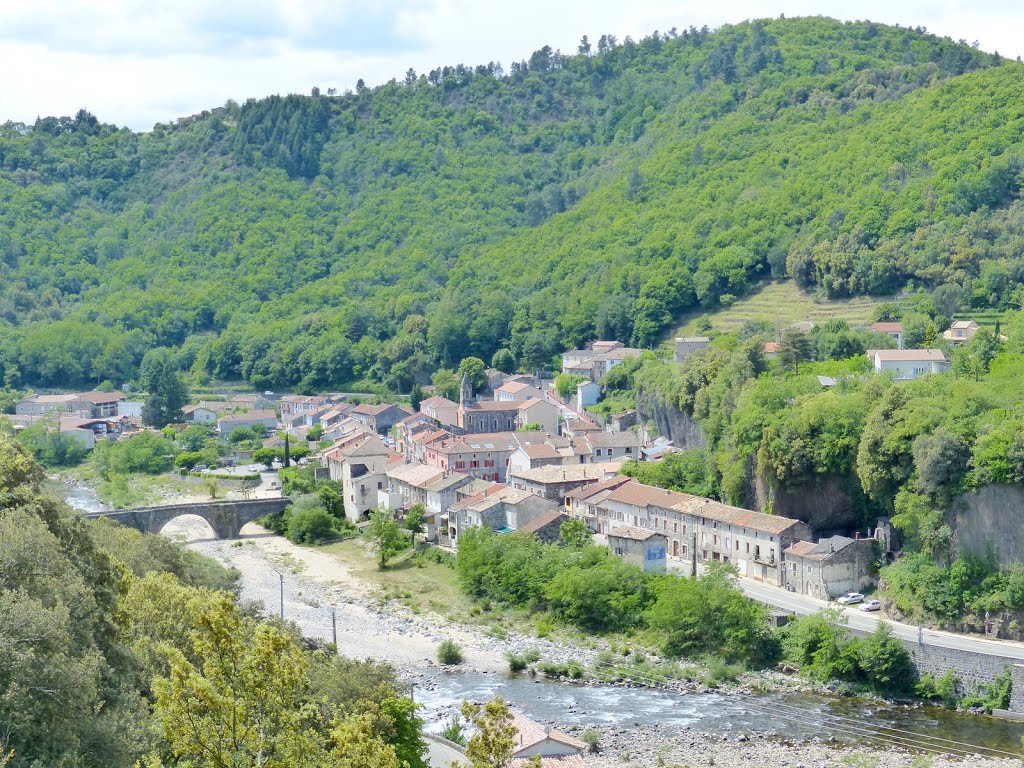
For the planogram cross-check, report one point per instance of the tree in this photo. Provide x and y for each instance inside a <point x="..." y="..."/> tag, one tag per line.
<point x="566" y="384"/>
<point x="160" y="377"/>
<point x="794" y="349"/>
<point x="886" y="662"/>
<point x="194" y="437"/>
<point x="415" y="521"/>
<point x="575" y="533"/>
<point x="415" y="397"/>
<point x="242" y="434"/>
<point x="384" y="535"/>
<point x="267" y="456"/>
<point x="286" y="461"/>
<point x="477" y="371"/>
<point x="494" y="741"/>
<point x="446" y="384"/>
<point x="504" y="361"/>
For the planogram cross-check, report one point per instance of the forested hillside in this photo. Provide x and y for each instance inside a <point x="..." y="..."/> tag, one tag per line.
<point x="320" y="241"/>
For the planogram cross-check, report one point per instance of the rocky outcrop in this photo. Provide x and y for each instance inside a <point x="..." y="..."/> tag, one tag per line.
<point x="827" y="503"/>
<point x="990" y="521"/>
<point x="671" y="422"/>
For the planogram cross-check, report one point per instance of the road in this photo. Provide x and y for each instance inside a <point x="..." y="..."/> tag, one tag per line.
<point x="867" y="622"/>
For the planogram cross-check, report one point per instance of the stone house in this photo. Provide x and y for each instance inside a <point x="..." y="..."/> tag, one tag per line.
<point x="642" y="547"/>
<point x="614" y="446"/>
<point x="364" y="466"/>
<point x="584" y="502"/>
<point x="687" y="345"/>
<point x="296" y="405"/>
<point x="380" y="418"/>
<point x="830" y="568"/>
<point x="499" y="508"/>
<point x="594" y="362"/>
<point x="907" y="364"/>
<point x="440" y="409"/>
<point x="547" y="527"/>
<point x="517" y="390"/>
<point x="554" y="482"/>
<point x="412" y="481"/>
<point x="537" y="411"/>
<point x="259" y="420"/>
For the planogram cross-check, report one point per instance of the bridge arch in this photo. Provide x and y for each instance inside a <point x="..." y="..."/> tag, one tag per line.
<point x="226" y="518"/>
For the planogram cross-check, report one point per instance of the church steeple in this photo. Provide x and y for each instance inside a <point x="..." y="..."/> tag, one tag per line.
<point x="465" y="391"/>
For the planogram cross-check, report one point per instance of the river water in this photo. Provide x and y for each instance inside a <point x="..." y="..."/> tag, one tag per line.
<point x="794" y="716"/>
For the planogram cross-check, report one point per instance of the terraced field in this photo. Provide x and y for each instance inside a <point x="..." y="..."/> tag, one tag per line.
<point x="783" y="303"/>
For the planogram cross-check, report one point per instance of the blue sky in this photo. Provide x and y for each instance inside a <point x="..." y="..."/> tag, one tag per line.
<point x="136" y="62"/>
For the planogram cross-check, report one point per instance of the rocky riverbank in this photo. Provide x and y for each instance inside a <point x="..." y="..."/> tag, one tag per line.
<point x="640" y="747"/>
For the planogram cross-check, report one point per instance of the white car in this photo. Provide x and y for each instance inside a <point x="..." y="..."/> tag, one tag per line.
<point x="850" y="598"/>
<point x="871" y="605"/>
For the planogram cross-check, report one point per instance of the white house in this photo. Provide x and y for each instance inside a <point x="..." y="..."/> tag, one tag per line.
<point x="909" y="363"/>
<point x="587" y="393"/>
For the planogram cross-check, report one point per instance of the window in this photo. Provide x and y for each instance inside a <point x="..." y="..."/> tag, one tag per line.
<point x="460" y="465"/>
<point x="714" y="540"/>
<point x="598" y="452"/>
<point x="748" y="547"/>
<point x="737" y="546"/>
<point x="380" y="485"/>
<point x="675" y="528"/>
<point x="474" y="464"/>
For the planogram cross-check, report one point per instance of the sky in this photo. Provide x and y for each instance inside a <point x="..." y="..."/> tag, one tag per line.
<point x="140" y="62"/>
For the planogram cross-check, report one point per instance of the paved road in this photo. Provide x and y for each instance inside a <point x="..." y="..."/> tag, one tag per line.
<point x="804" y="605"/>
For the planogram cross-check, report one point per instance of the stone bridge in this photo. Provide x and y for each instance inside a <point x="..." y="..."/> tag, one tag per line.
<point x="225" y="517"/>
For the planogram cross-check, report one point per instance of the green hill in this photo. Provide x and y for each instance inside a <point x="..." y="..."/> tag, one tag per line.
<point x="320" y="241"/>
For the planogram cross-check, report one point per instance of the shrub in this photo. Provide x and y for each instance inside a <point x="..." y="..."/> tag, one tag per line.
<point x="453" y="730"/>
<point x="516" y="663"/>
<point x="310" y="526"/>
<point x="592" y="739"/>
<point x="449" y="652"/>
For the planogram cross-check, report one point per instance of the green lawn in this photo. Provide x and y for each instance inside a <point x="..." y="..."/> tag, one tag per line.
<point x="785" y="304"/>
<point x="421" y="584"/>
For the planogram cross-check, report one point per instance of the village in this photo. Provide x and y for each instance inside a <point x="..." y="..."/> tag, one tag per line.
<point x="519" y="457"/>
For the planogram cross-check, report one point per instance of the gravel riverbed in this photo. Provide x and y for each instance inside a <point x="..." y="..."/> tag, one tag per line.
<point x="368" y="627"/>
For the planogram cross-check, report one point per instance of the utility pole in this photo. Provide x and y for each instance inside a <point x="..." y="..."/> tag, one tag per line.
<point x="693" y="555"/>
<point x="281" y="577"/>
<point x="334" y="626"/>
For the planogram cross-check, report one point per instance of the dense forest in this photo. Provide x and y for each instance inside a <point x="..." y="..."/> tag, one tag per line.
<point x="372" y="237"/>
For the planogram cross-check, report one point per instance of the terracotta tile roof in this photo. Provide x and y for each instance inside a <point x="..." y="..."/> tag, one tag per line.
<point x="248" y="416"/>
<point x="887" y="327"/>
<point x="438" y="402"/>
<point x="634" y="534"/>
<point x="369" y="446"/>
<point x="771" y="347"/>
<point x="530" y="733"/>
<point x="494" y="405"/>
<point x="608" y="484"/>
<point x="613" y="439"/>
<point x="640" y="495"/>
<point x="568" y="473"/>
<point x="98" y="398"/>
<point x="416" y="475"/>
<point x="552" y="761"/>
<point x="541" y="520"/>
<point x="800" y="549"/>
<point x="909" y="355"/>
<point x="745" y="518"/>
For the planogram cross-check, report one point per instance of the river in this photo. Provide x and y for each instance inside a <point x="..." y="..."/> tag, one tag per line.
<point x="369" y="631"/>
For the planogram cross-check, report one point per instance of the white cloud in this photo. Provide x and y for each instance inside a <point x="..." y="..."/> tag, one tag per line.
<point x="135" y="62"/>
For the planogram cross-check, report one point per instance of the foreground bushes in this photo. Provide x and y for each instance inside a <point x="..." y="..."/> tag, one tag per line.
<point x="589" y="588"/>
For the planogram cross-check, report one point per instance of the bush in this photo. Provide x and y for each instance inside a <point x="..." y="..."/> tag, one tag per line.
<point x="449" y="652"/>
<point x="311" y="526"/>
<point x="885" y="662"/>
<point x="592" y="739"/>
<point x="516" y="663"/>
<point x="453" y="730"/>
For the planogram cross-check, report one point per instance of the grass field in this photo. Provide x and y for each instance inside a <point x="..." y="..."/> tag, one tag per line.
<point x="782" y="303"/>
<point x="420" y="584"/>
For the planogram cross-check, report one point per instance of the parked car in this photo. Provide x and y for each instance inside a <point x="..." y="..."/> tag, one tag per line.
<point x="850" y="598"/>
<point x="872" y="605"/>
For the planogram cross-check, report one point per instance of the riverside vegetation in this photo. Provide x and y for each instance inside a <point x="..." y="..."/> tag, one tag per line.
<point x="327" y="240"/>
